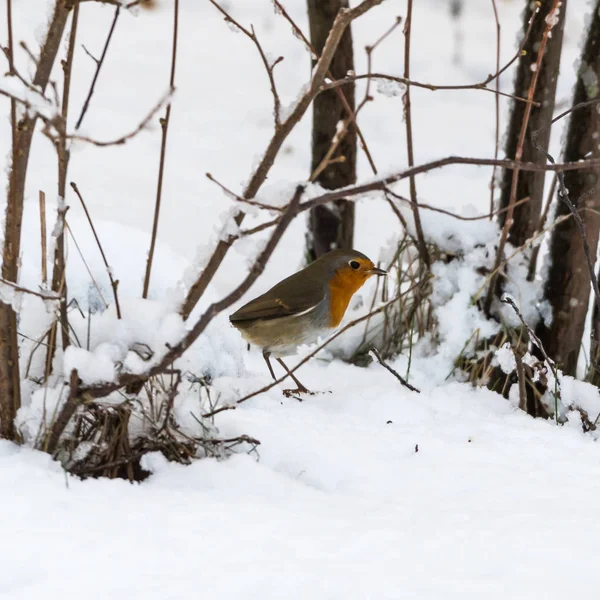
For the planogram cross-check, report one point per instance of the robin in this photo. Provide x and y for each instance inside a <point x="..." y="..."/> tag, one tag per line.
<point x="304" y="306"/>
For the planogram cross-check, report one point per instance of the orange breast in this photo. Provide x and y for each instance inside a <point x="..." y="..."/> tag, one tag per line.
<point x="342" y="286"/>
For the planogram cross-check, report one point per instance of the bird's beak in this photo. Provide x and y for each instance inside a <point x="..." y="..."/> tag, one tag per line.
<point x="377" y="271"/>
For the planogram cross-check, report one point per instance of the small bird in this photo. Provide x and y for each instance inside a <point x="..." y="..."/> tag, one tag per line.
<point x="304" y="306"/>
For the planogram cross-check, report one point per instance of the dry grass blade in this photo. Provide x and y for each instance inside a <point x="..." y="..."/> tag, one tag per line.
<point x="114" y="283"/>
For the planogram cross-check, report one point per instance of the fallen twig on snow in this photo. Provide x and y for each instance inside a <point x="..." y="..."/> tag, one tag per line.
<point x="395" y="373"/>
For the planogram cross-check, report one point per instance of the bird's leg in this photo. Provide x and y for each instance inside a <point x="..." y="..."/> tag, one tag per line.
<point x="301" y="388"/>
<point x="288" y="393"/>
<point x="266" y="356"/>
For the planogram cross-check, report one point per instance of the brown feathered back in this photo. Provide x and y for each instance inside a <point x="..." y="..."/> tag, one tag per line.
<point x="298" y="292"/>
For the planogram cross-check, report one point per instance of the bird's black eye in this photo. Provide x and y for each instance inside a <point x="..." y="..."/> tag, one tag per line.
<point x="354" y="264"/>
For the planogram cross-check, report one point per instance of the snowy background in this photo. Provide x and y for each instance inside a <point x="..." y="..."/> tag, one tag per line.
<point x="368" y="491"/>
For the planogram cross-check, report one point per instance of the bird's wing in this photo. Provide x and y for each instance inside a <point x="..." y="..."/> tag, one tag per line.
<point x="279" y="301"/>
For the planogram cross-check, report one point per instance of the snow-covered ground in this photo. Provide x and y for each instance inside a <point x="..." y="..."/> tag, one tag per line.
<point x="365" y="490"/>
<point x="340" y="505"/>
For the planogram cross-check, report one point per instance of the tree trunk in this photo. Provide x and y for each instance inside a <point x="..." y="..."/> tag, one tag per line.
<point x="568" y="284"/>
<point x="526" y="216"/>
<point x="10" y="395"/>
<point x="332" y="226"/>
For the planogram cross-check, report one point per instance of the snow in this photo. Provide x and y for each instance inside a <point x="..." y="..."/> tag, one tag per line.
<point x="365" y="489"/>
<point x="506" y="358"/>
<point x="339" y="505"/>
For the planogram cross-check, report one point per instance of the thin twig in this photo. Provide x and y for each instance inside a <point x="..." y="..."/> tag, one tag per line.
<point x="497" y="270"/>
<point x="382" y="184"/>
<point x="491" y="293"/>
<point x="268" y="66"/>
<point x="38" y="343"/>
<point x="87" y="267"/>
<point x="99" y="64"/>
<point x="421" y="244"/>
<point x="419" y="84"/>
<point x="237" y="198"/>
<point x="395" y="373"/>
<point x="114" y="283"/>
<point x="455" y="215"/>
<point x="563" y="195"/>
<point x="496" y="107"/>
<point x="119" y="141"/>
<point x="89" y="54"/>
<point x="482" y="85"/>
<point x="164" y="124"/>
<point x="54" y="127"/>
<point x="42" y="202"/>
<point x="44" y="296"/>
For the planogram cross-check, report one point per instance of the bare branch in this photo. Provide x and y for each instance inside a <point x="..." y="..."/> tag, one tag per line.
<point x="419" y="84"/>
<point x="454" y="215"/>
<point x="268" y="66"/>
<point x="422" y="246"/>
<point x="123" y="139"/>
<point x="237" y="198"/>
<point x="164" y="124"/>
<point x="482" y="85"/>
<point x="99" y="64"/>
<point x="382" y="184"/>
<point x="17" y="288"/>
<point x="89" y="54"/>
